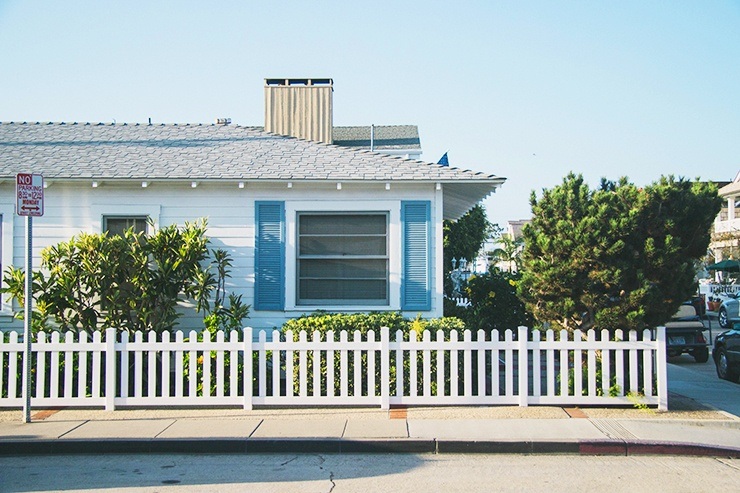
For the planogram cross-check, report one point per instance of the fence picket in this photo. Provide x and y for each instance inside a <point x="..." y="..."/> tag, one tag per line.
<point x="536" y="364"/>
<point x="248" y="380"/>
<point x="605" y="365"/>
<point x="82" y="364"/>
<point x="647" y="366"/>
<point x="441" y="366"/>
<point x="619" y="364"/>
<point x="220" y="366"/>
<point x="234" y="363"/>
<point x="357" y="366"/>
<point x="426" y="372"/>
<point x="468" y="365"/>
<point x="179" y="360"/>
<point x="633" y="364"/>
<point x="550" y="373"/>
<point x="495" y="364"/>
<point x="192" y="364"/>
<point x="564" y="364"/>
<point x="413" y="365"/>
<point x="481" y="359"/>
<point x="343" y="370"/>
<point x="262" y="368"/>
<point x="54" y="367"/>
<point x="330" y="353"/>
<point x="591" y="362"/>
<point x="13" y="367"/>
<point x="371" y="352"/>
<point x="316" y="364"/>
<point x="399" y="365"/>
<point x="164" y="382"/>
<point x="152" y="365"/>
<point x="509" y="358"/>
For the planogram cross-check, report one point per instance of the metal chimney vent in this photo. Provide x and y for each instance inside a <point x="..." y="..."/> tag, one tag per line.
<point x="300" y="108"/>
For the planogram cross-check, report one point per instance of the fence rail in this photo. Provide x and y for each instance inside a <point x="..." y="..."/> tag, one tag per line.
<point x="378" y="369"/>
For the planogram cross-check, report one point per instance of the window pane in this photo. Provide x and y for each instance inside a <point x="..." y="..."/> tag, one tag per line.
<point x="343" y="259"/>
<point x="343" y="224"/>
<point x="343" y="269"/>
<point x="342" y="290"/>
<point x="118" y="225"/>
<point x="343" y="245"/>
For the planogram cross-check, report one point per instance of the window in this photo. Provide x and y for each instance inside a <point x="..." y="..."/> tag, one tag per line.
<point x="342" y="259"/>
<point x="117" y="225"/>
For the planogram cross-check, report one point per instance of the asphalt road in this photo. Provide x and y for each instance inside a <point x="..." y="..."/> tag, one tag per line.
<point x="699" y="381"/>
<point x="367" y="473"/>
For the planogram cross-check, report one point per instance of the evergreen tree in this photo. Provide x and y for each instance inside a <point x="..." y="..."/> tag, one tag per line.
<point x="618" y="257"/>
<point x="465" y="237"/>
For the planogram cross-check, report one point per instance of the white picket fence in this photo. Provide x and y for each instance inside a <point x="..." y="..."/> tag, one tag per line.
<point x="519" y="368"/>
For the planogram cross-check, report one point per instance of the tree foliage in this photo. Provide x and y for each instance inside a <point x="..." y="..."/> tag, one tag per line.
<point x="507" y="253"/>
<point x="615" y="257"/>
<point x="465" y="237"/>
<point x="494" y="303"/>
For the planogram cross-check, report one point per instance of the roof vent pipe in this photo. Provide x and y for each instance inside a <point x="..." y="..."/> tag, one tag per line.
<point x="372" y="138"/>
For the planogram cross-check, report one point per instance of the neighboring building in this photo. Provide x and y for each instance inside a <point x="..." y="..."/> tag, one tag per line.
<point x="726" y="228"/>
<point x="394" y="140"/>
<point x="514" y="228"/>
<point x="310" y="225"/>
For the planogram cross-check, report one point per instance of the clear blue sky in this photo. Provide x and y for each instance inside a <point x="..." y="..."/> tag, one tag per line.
<point x="524" y="90"/>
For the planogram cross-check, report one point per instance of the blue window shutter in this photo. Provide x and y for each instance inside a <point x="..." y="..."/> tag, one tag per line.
<point x="416" y="278"/>
<point x="269" y="256"/>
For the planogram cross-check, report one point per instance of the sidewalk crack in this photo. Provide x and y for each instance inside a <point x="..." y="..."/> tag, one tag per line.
<point x="73" y="429"/>
<point x="256" y="428"/>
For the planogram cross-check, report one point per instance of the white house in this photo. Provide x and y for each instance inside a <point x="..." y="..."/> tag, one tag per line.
<point x="310" y="225"/>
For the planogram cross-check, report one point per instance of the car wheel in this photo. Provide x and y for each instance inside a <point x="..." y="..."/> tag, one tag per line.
<point x="701" y="355"/>
<point x="723" y="366"/>
<point x="724" y="322"/>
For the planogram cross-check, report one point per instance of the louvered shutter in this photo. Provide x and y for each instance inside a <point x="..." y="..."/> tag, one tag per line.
<point x="269" y="257"/>
<point x="415" y="243"/>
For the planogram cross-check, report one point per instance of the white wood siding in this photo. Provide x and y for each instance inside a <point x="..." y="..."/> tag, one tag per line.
<point x="71" y="208"/>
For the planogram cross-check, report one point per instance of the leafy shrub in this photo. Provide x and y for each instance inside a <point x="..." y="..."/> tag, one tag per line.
<point x="130" y="281"/>
<point x="364" y="322"/>
<point x="494" y="303"/>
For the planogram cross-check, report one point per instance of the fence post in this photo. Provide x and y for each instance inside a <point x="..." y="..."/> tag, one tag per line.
<point x="522" y="340"/>
<point x="662" y="370"/>
<point x="248" y="369"/>
<point x="385" y="370"/>
<point x="111" y="376"/>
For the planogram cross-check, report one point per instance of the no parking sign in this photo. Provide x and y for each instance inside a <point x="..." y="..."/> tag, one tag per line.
<point x="29" y="191"/>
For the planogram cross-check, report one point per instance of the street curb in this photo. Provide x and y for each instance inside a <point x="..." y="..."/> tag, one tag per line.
<point x="341" y="446"/>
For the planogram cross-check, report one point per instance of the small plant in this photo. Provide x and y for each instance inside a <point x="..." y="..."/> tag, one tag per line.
<point x="637" y="400"/>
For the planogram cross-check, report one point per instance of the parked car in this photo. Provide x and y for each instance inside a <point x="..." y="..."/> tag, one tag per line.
<point x="685" y="334"/>
<point x="729" y="311"/>
<point x="726" y="354"/>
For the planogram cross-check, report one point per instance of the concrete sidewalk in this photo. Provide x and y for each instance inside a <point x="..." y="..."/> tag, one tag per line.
<point x="534" y="430"/>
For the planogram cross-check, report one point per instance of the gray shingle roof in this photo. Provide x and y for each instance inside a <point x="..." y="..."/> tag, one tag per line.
<point x="206" y="152"/>
<point x="387" y="137"/>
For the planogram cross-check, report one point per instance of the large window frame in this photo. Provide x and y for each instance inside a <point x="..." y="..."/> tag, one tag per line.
<point x="140" y="223"/>
<point x="102" y="210"/>
<point x="339" y="257"/>
<point x="391" y="208"/>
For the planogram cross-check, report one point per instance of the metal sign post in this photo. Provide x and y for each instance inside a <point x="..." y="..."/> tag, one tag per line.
<point x="29" y="191"/>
